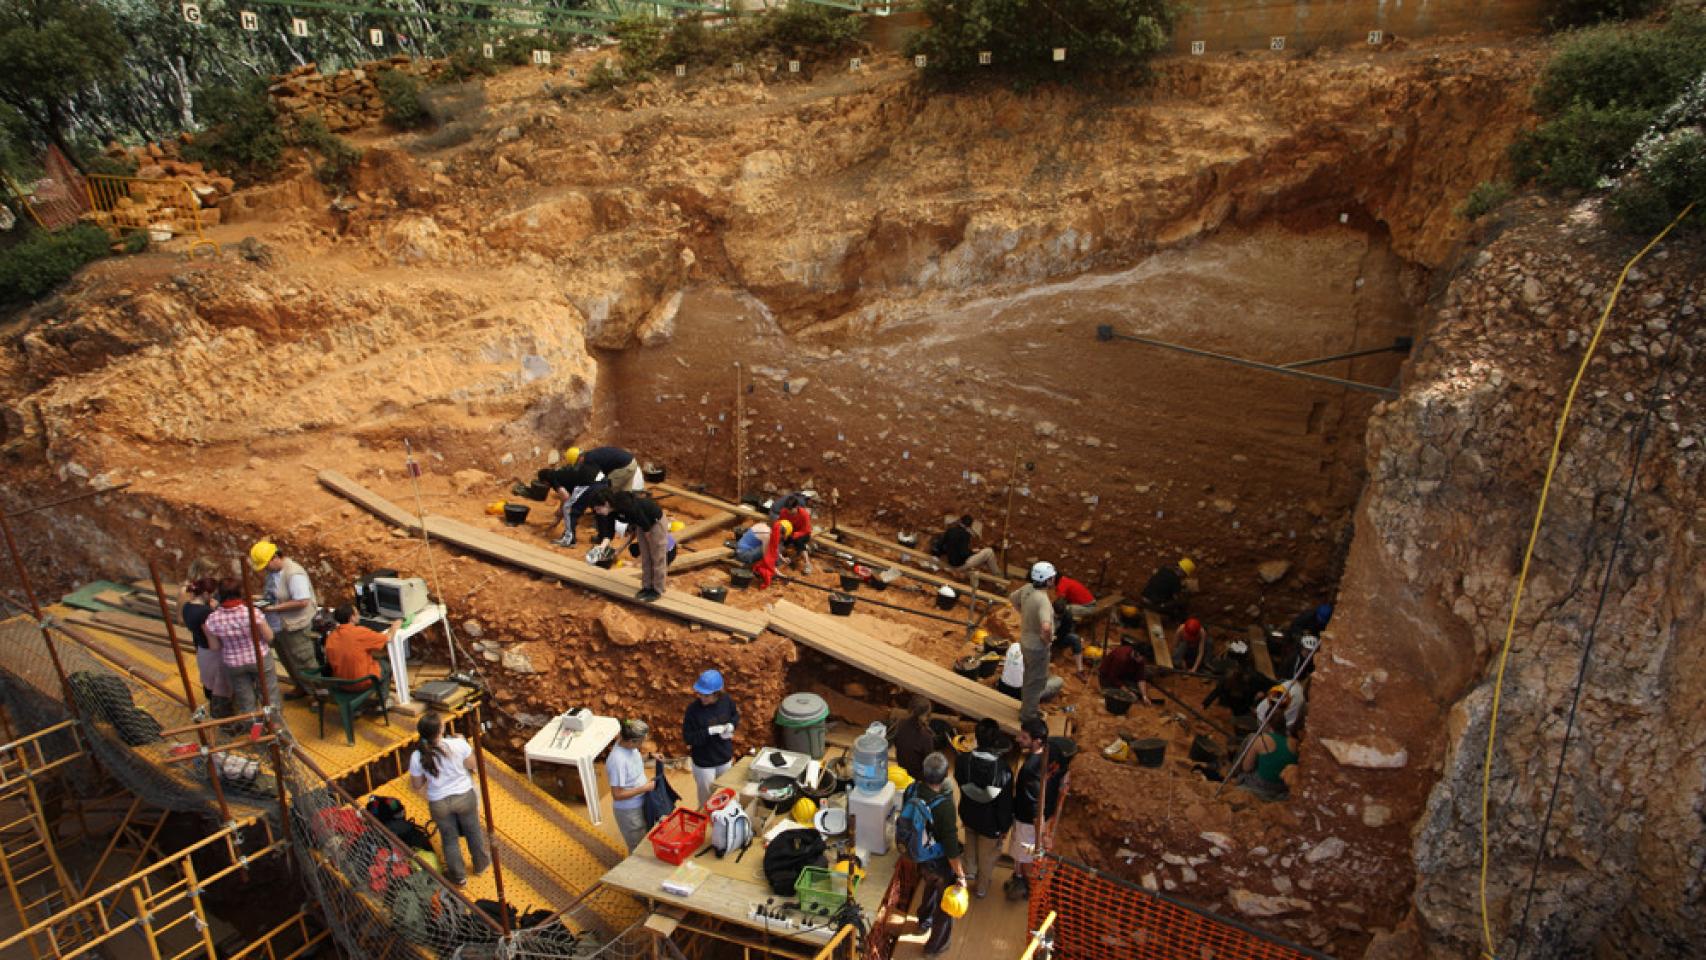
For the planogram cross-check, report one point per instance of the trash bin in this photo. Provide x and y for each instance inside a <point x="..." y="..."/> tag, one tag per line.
<point x="802" y="718"/>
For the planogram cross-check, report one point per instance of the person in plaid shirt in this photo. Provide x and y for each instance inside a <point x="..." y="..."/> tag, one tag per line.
<point x="227" y="630"/>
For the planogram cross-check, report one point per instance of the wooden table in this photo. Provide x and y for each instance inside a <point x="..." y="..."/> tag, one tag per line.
<point x="734" y="886"/>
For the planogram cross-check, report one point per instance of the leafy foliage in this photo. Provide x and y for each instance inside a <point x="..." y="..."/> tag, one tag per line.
<point x="1622" y="98"/>
<point x="1487" y="196"/>
<point x="644" y="40"/>
<point x="603" y="77"/>
<point x="1564" y="14"/>
<point x="50" y="52"/>
<point x="45" y="260"/>
<point x="799" y="31"/>
<point x="401" y="93"/>
<point x="337" y="157"/>
<point x="243" y="139"/>
<point x="1099" y="35"/>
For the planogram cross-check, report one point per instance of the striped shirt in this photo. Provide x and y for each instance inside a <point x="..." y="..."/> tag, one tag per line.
<point x="228" y="625"/>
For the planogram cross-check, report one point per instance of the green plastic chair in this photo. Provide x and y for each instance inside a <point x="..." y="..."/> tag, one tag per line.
<point x="350" y="701"/>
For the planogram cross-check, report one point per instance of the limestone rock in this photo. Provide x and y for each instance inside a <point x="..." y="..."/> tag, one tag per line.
<point x="1373" y="752"/>
<point x="1273" y="571"/>
<point x="1328" y="849"/>
<point x="470" y="480"/>
<point x="621" y="627"/>
<point x="1262" y="905"/>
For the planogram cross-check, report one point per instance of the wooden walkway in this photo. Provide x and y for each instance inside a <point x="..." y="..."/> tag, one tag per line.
<point x="623" y="586"/>
<point x="832" y="636"/>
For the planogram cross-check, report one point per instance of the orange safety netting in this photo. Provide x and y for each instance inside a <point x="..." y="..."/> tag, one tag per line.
<point x="1099" y="917"/>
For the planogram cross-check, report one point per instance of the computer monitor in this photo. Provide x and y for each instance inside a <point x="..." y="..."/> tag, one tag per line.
<point x="398" y="598"/>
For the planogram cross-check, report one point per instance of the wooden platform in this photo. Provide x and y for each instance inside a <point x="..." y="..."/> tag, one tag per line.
<point x="561" y="567"/>
<point x="832" y="636"/>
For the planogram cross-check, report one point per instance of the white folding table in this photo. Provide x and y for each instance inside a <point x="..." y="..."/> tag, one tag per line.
<point x="581" y="752"/>
<point x="398" y="648"/>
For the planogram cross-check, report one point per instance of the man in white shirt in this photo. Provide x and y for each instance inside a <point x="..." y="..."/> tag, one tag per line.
<point x="629" y="782"/>
<point x="291" y="605"/>
<point x="1012" y="680"/>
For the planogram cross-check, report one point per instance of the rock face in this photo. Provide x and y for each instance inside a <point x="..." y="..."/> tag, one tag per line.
<point x="346" y="100"/>
<point x="1457" y="463"/>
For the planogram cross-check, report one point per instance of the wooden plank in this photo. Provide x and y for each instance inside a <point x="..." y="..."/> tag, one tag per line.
<point x="711" y="524"/>
<point x="923" y="576"/>
<point x="740" y="509"/>
<point x="941" y="685"/>
<point x="1158" y="639"/>
<point x="623" y="586"/>
<point x="1100" y="608"/>
<point x="695" y="559"/>
<point x="1260" y="656"/>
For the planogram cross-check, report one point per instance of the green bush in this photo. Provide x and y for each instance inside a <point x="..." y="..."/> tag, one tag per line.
<point x="400" y="91"/>
<point x="1565" y="14"/>
<point x="800" y="27"/>
<point x="644" y="40"/>
<point x="1487" y="196"/>
<point x="1577" y="148"/>
<point x="1668" y="167"/>
<point x="45" y="260"/>
<point x="337" y="157"/>
<point x="243" y="139"/>
<point x="603" y="77"/>
<point x="1099" y="36"/>
<point x="100" y="163"/>
<point x="1631" y="66"/>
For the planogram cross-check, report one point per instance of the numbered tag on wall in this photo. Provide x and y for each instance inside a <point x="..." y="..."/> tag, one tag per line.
<point x="298" y="27"/>
<point x="1199" y="47"/>
<point x="920" y="61"/>
<point x="541" y="58"/>
<point x="192" y="13"/>
<point x="854" y="64"/>
<point x="376" y="37"/>
<point x="740" y="69"/>
<point x="250" y="20"/>
<point x="1276" y="43"/>
<point x="793" y="66"/>
<point x="487" y="51"/>
<point x="681" y="69"/>
<point x="985" y="58"/>
<point x="1059" y="54"/>
<point x="1375" y="36"/>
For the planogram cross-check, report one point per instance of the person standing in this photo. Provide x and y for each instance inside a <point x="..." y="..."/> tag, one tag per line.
<point x="940" y="867"/>
<point x="1033" y="787"/>
<point x="618" y="465"/>
<point x="646" y="524"/>
<point x="228" y="633"/>
<point x="986" y="802"/>
<point x="953" y="545"/>
<point x="350" y="648"/>
<point x="197" y="599"/>
<point x="1036" y="635"/>
<point x="709" y="729"/>
<point x="629" y="783"/>
<point x="913" y="739"/>
<point x="439" y="768"/>
<point x="291" y="606"/>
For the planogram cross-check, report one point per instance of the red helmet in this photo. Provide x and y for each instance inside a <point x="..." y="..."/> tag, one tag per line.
<point x="1193" y="627"/>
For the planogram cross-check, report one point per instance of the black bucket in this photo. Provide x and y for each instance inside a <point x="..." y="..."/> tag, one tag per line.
<point x="969" y="667"/>
<point x="987" y="665"/>
<point x="1118" y="701"/>
<point x="538" y="490"/>
<point x="877" y="583"/>
<point x="741" y="577"/>
<point x="654" y="473"/>
<point x="515" y="514"/>
<point x="851" y="581"/>
<point x="715" y="592"/>
<point x="1148" y="753"/>
<point x="840" y="604"/>
<point x="1205" y="750"/>
<point x="947" y="601"/>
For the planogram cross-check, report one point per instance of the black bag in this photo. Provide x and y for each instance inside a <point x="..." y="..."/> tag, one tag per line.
<point x="105" y="696"/>
<point x="788" y="854"/>
<point x="392" y="816"/>
<point x="939" y="544"/>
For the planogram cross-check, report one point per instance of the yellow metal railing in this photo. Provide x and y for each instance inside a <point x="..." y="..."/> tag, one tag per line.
<point x="842" y="946"/>
<point x="123" y="205"/>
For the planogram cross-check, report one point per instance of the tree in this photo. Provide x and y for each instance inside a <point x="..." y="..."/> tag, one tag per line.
<point x="1021" y="36"/>
<point x="51" y="51"/>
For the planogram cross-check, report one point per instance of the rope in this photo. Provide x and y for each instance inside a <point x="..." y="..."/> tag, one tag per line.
<point x="1643" y="432"/>
<point x="1488" y="949"/>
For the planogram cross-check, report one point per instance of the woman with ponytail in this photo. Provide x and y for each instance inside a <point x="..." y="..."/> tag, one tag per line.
<point x="439" y="768"/>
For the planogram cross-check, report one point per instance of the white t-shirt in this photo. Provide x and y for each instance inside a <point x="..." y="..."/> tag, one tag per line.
<point x="295" y="586"/>
<point x="1293" y="710"/>
<point x="1013" y="669"/>
<point x="452" y="779"/>
<point x="626" y="769"/>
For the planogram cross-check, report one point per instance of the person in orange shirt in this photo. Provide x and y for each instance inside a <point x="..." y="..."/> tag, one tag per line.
<point x="350" y="647"/>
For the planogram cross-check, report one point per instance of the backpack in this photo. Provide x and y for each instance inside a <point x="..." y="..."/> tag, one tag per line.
<point x="939" y="544"/>
<point x="731" y="829"/>
<point x="986" y="777"/>
<point x="415" y="906"/>
<point x="392" y="816"/>
<point x="789" y="853"/>
<point x="914" y="830"/>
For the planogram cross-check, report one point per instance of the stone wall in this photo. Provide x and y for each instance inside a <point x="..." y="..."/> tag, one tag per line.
<point x="346" y="100"/>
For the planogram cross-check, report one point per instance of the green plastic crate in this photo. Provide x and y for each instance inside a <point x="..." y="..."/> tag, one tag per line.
<point x="821" y="890"/>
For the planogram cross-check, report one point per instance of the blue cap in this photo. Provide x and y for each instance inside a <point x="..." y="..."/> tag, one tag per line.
<point x="1323" y="614"/>
<point x="711" y="681"/>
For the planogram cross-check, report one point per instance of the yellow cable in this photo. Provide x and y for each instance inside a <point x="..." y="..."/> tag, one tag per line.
<point x="1528" y="555"/>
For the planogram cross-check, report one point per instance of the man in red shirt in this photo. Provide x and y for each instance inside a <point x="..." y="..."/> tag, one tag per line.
<point x="1124" y="667"/>
<point x="350" y="648"/>
<point x="1071" y="599"/>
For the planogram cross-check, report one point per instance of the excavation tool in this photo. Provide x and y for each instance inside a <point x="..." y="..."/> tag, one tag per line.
<point x="1105" y="333"/>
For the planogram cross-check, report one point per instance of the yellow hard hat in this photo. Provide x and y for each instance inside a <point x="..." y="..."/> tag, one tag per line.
<point x="805" y="809"/>
<point x="786" y="528"/>
<point x="1092" y="652"/>
<point x="961" y="743"/>
<point x="1279" y="694"/>
<point x="1188" y="565"/>
<point x="1119" y="751"/>
<point x="496" y="507"/>
<point x="572" y="456"/>
<point x="899" y="777"/>
<point x="676" y="526"/>
<point x="261" y="554"/>
<point x="979" y="635"/>
<point x="850" y="866"/>
<point x="955" y="900"/>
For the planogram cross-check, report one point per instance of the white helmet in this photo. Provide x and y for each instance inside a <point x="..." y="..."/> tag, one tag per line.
<point x="1042" y="572"/>
<point x="1310" y="641"/>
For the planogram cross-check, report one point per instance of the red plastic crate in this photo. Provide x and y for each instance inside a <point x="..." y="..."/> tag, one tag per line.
<point x="679" y="835"/>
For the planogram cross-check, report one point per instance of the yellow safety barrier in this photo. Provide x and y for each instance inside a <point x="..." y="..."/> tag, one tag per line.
<point x="124" y="205"/>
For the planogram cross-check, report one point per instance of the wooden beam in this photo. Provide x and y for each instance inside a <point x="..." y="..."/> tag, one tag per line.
<point x="1260" y="656"/>
<point x="1158" y="639"/>
<point x="827" y="635"/>
<point x="368" y="500"/>
<point x="711" y="524"/>
<point x="740" y="509"/>
<point x="694" y="559"/>
<point x="922" y="576"/>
